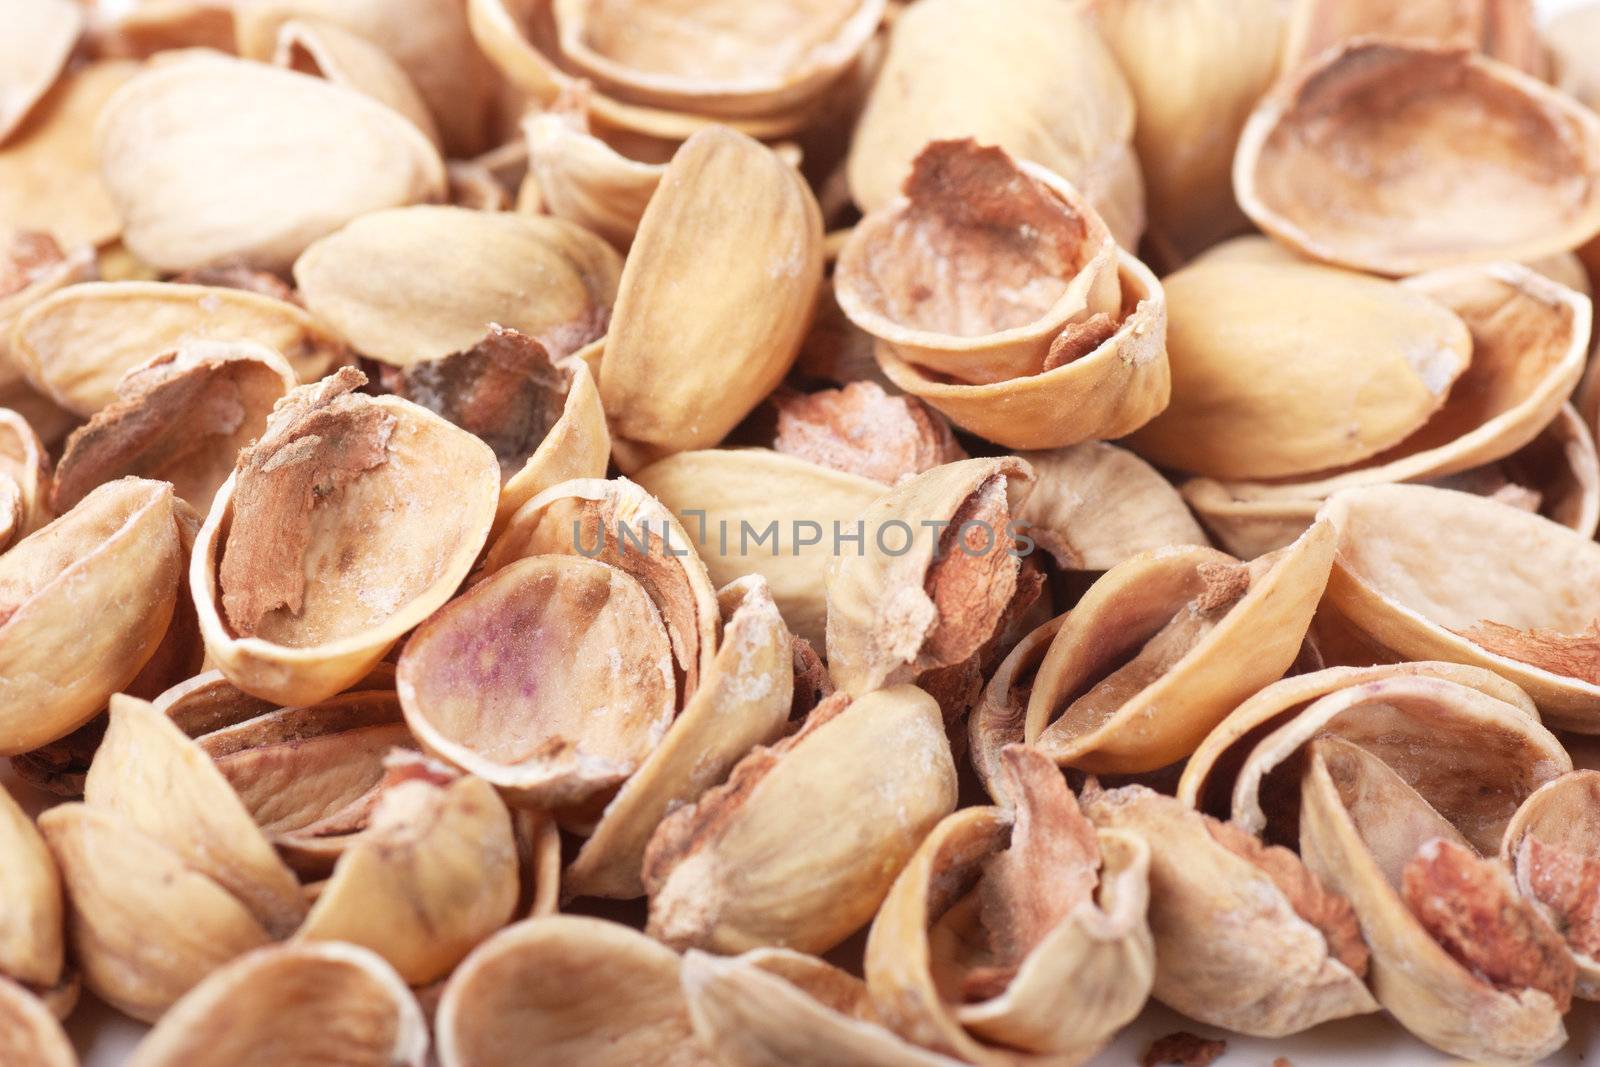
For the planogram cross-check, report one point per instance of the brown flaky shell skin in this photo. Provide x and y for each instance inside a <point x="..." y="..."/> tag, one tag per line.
<point x="1333" y="128"/>
<point x="1552" y="847"/>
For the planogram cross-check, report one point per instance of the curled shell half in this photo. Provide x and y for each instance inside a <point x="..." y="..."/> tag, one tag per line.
<point x="30" y="1036"/>
<point x="584" y="179"/>
<point x="32" y="948"/>
<point x="801" y="844"/>
<point x="39" y="38"/>
<point x="325" y="50"/>
<point x="1018" y="935"/>
<point x="1521" y="187"/>
<point x="348" y="522"/>
<point x="321" y="1003"/>
<point x="999" y="717"/>
<point x="24" y="479"/>
<point x="1166" y="644"/>
<point x="1552" y="847"/>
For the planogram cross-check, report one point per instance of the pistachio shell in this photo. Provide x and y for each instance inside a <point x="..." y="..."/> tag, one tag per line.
<point x="1503" y="29"/>
<point x="325" y="50"/>
<point x="40" y="35"/>
<point x="1521" y="187"/>
<point x="293" y="1004"/>
<point x="25" y="468"/>
<point x="1568" y="39"/>
<point x="419" y="283"/>
<point x="34" y="267"/>
<point x="30" y="1036"/>
<point x="1550" y="848"/>
<point x="583" y="179"/>
<point x="266" y="161"/>
<point x="31" y="948"/>
<point x="1000" y="716"/>
<point x="861" y="429"/>
<point x="143" y="28"/>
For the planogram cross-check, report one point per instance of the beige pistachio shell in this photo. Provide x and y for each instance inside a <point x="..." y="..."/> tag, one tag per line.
<point x="325" y="50"/>
<point x="582" y="178"/>
<point x="992" y="71"/>
<point x="25" y="469"/>
<point x="210" y="158"/>
<point x="1552" y="847"/>
<point x="76" y="345"/>
<point x="745" y="510"/>
<point x="30" y="1036"/>
<point x="1503" y="29"/>
<point x="1106" y="392"/>
<point x="1360" y="825"/>
<point x="1165" y="645"/>
<point x="715" y="297"/>
<point x="801" y="844"/>
<point x="142" y="29"/>
<point x="116" y="558"/>
<point x="419" y="283"/>
<point x="306" y="1003"/>
<point x="1283" y="370"/>
<point x="544" y="993"/>
<point x="1333" y="127"/>
<point x="1437" y="574"/>
<point x="1569" y="39"/>
<point x="39" y="37"/>
<point x="31" y="947"/>
<point x="742" y="702"/>
<point x="37" y="266"/>
<point x="1000" y="716"/>
<point x="297" y="604"/>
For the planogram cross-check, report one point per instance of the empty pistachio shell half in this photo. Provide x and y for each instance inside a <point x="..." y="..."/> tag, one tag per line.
<point x="117" y="557"/>
<point x="325" y="50"/>
<point x="24" y="478"/>
<point x="1189" y="631"/>
<point x="30" y="1036"/>
<point x="584" y="179"/>
<point x="32" y="266"/>
<point x="277" y="188"/>
<point x="1503" y="29"/>
<point x="1457" y="957"/>
<point x="349" y="521"/>
<point x="1332" y="127"/>
<point x="32" y="951"/>
<point x="801" y="844"/>
<point x="39" y="39"/>
<point x="419" y="283"/>
<point x="1245" y="936"/>
<point x="1552" y="847"/>
<point x="303" y="1003"/>
<point x="999" y="718"/>
<point x="77" y="344"/>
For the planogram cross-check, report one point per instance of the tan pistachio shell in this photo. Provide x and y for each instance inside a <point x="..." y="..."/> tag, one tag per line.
<point x="1523" y="187"/>
<point x="325" y="50"/>
<point x="1359" y="825"/>
<point x="143" y="28"/>
<point x="1105" y="393"/>
<point x="76" y="344"/>
<point x="1000" y="716"/>
<point x="267" y="161"/>
<point x="39" y="37"/>
<point x="307" y="1003"/>
<point x="1503" y="29"/>
<point x="1189" y="631"/>
<point x="45" y="268"/>
<point x="801" y="844"/>
<point x="1552" y="847"/>
<point x="543" y="993"/>
<point x="116" y="558"/>
<point x="30" y="1036"/>
<point x="25" y="468"/>
<point x="32" y="950"/>
<point x="419" y="283"/>
<point x="1231" y="947"/>
<point x="584" y="179"/>
<point x="1569" y="38"/>
<point x="738" y="228"/>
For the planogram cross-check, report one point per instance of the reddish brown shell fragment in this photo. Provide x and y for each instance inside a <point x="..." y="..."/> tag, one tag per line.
<point x="1568" y="883"/>
<point x="974" y="575"/>
<point x="812" y="683"/>
<point x="1184" y="1049"/>
<point x="1571" y="655"/>
<point x="860" y="429"/>
<point x="1079" y="339"/>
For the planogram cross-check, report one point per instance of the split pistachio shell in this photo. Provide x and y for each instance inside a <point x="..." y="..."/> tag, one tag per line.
<point x="1185" y="631"/>
<point x="1245" y="938"/>
<point x="1016" y="936"/>
<point x="1035" y="261"/>
<point x="992" y="71"/>
<point x="25" y="471"/>
<point x="1000" y="716"/>
<point x="116" y="558"/>
<point x="30" y="1036"/>
<point x="180" y="418"/>
<point x="303" y="1003"/>
<point x="210" y="158"/>
<point x="1284" y="370"/>
<point x="736" y="229"/>
<point x="297" y="601"/>
<point x="328" y="51"/>
<point x="585" y="180"/>
<point x="801" y="844"/>
<point x="419" y="283"/>
<point x="76" y="344"/>
<point x="1364" y="832"/>
<point x="31" y="947"/>
<point x="896" y="614"/>
<point x="1108" y="390"/>
<point x="1503" y="29"/>
<point x="543" y="993"/>
<point x="1552" y="847"/>
<point x="1521" y="187"/>
<point x="1436" y="574"/>
<point x="40" y="35"/>
<point x="745" y="510"/>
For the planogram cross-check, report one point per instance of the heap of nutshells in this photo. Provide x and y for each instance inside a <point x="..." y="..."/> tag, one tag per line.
<point x="583" y="532"/>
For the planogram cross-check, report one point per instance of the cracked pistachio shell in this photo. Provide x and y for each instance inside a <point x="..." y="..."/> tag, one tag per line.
<point x="544" y="993"/>
<point x="39" y="38"/>
<point x="742" y="702"/>
<point x="210" y="158"/>
<point x="1233" y="947"/>
<point x="1034" y="257"/>
<point x="992" y="71"/>
<point x="1016" y="936"/>
<point x="300" y="1003"/>
<point x="77" y="344"/>
<point x="729" y="499"/>
<point x="1000" y="716"/>
<point x="1284" y="370"/>
<point x="802" y="843"/>
<point x="1117" y="385"/>
<point x="894" y="615"/>
<point x="716" y="296"/>
<point x="1552" y="848"/>
<point x="419" y="283"/>
<point x="116" y="558"/>
<point x="31" y="915"/>
<point x="1187" y="631"/>
<point x="1502" y="29"/>
<point x="1360" y="827"/>
<point x="1429" y="573"/>
<point x="325" y="50"/>
<point x="30" y="1036"/>
<point x="585" y="180"/>
<point x="311" y="599"/>
<point x="1523" y="186"/>
<point x="180" y="418"/>
<point x="25" y="470"/>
